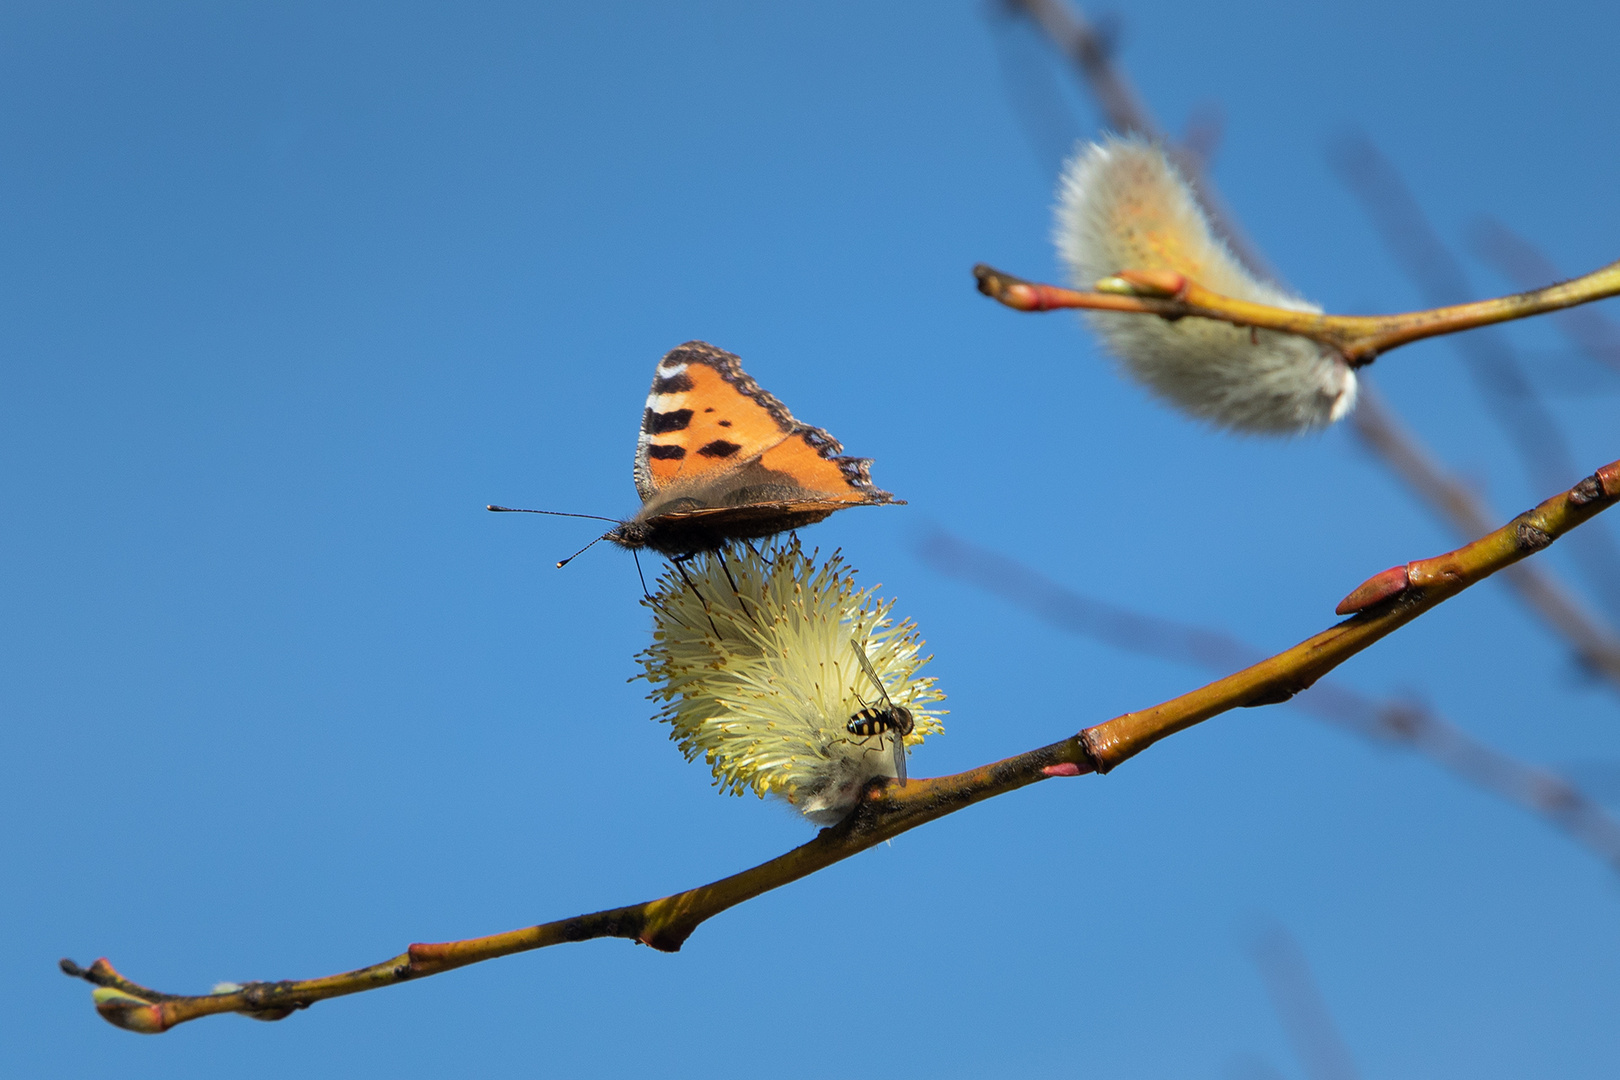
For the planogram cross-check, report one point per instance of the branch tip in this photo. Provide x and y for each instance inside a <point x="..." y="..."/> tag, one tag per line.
<point x="1014" y="292"/>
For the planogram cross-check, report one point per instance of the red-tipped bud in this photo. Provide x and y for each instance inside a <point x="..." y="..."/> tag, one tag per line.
<point x="1379" y="587"/>
<point x="128" y="1011"/>
<point x="1162" y="283"/>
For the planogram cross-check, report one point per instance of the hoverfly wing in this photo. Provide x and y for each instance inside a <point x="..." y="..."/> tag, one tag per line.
<point x="890" y="713"/>
<point x="871" y="673"/>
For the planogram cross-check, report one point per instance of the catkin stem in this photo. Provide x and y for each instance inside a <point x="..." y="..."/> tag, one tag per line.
<point x="1358" y="338"/>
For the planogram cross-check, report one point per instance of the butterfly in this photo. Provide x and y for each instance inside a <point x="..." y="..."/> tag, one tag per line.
<point x="719" y="459"/>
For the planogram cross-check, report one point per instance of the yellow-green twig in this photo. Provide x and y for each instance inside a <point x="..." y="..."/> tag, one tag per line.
<point x="1358" y="338"/>
<point x="1381" y="605"/>
<point x="1593" y="641"/>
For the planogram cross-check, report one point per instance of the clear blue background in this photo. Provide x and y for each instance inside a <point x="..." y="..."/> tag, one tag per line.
<point x="290" y="291"/>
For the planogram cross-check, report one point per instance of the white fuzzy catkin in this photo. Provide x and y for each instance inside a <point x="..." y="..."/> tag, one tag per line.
<point x="761" y="681"/>
<point x="1123" y="206"/>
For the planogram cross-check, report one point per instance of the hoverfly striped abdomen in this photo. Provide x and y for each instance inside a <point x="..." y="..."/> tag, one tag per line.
<point x="878" y="721"/>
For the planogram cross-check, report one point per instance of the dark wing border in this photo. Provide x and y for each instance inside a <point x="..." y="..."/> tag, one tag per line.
<point x="857" y="471"/>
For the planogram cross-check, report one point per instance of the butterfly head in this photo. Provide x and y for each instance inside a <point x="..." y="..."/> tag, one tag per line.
<point x="631" y="534"/>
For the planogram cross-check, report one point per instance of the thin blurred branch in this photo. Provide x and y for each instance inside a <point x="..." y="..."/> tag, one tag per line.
<point x="1300" y="1006"/>
<point x="1360" y="339"/>
<point x="1076" y="37"/>
<point x="1067" y="28"/>
<point x="1402" y="723"/>
<point x="1488" y="355"/>
<point x="1201" y="135"/>
<point x="1038" y="100"/>
<point x="1596" y="645"/>
<point x="1520" y="261"/>
<point x="888" y="809"/>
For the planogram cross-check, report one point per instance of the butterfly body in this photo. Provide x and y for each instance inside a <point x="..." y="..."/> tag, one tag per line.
<point x="719" y="459"/>
<point x="709" y="519"/>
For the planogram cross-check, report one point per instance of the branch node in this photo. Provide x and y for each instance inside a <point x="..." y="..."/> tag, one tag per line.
<point x="427" y="958"/>
<point x="1093" y="754"/>
<point x="1529" y="537"/>
<point x="1274" y="695"/>
<point x="1609" y="475"/>
<point x="1587" y="491"/>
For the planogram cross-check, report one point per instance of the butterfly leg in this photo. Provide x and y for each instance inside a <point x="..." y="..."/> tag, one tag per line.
<point x="679" y="563"/>
<point x="634" y="554"/>
<point x="720" y="554"/>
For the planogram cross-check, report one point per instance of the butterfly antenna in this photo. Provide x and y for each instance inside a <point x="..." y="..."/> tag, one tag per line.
<point x="551" y="513"/>
<point x="578" y="553"/>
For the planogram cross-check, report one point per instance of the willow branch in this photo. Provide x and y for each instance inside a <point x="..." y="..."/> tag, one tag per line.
<point x="1358" y="338"/>
<point x="1594" y="643"/>
<point x="1380" y="606"/>
<point x="1407" y="724"/>
<point x="1510" y="396"/>
<point x="1522" y="263"/>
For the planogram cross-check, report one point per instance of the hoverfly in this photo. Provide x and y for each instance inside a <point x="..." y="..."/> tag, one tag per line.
<point x="892" y="719"/>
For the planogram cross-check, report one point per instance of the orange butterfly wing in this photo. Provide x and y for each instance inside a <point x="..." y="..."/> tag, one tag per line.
<point x="698" y="424"/>
<point x="719" y="458"/>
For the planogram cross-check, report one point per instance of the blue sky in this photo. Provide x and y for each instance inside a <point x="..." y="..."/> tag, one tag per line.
<point x="293" y="290"/>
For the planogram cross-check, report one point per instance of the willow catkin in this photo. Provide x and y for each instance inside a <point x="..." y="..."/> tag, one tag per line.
<point x="1123" y="206"/>
<point x="752" y="667"/>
